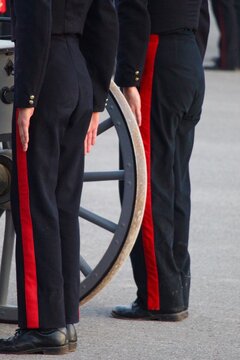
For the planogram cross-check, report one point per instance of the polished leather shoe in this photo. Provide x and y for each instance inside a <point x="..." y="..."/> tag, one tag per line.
<point x="217" y="67"/>
<point x="72" y="337"/>
<point x="36" y="341"/>
<point x="136" y="312"/>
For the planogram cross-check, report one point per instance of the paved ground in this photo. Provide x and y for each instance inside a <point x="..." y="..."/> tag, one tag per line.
<point x="212" y="331"/>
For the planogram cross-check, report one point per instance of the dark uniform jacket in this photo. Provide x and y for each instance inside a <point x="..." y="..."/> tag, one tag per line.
<point x="34" y="22"/>
<point x="140" y="18"/>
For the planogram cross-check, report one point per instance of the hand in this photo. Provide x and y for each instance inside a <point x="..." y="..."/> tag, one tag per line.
<point x="91" y="136"/>
<point x="24" y="116"/>
<point x="134" y="100"/>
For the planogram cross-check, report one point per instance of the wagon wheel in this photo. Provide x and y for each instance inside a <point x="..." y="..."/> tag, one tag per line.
<point x="117" y="235"/>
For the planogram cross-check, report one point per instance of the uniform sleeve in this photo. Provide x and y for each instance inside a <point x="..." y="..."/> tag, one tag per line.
<point x="99" y="46"/>
<point x="203" y="28"/>
<point x="32" y="34"/>
<point x="134" y="23"/>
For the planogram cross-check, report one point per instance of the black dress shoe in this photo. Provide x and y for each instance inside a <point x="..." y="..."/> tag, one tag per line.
<point x="136" y="312"/>
<point x="36" y="341"/>
<point x="217" y="67"/>
<point x="72" y="337"/>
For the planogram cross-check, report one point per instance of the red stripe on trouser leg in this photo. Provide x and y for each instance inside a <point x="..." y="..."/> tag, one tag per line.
<point x="3" y="6"/>
<point x="223" y="55"/>
<point x="147" y="224"/>
<point x="29" y="261"/>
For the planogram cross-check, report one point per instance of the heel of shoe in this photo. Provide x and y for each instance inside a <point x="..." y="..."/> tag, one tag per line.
<point x="60" y="350"/>
<point x="72" y="346"/>
<point x="173" y="317"/>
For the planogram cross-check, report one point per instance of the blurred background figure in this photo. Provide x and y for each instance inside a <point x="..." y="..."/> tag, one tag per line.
<point x="237" y="7"/>
<point x="227" y="13"/>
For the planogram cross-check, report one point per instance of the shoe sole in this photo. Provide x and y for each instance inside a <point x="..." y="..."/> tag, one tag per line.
<point x="154" y="317"/>
<point x="72" y="346"/>
<point x="58" y="350"/>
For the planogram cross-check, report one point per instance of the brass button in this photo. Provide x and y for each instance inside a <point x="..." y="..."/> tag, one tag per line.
<point x="31" y="102"/>
<point x="32" y="97"/>
<point x="137" y="72"/>
<point x="137" y="79"/>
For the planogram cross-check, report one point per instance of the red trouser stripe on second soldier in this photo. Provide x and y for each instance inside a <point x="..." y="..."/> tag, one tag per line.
<point x="30" y="272"/>
<point x="147" y="224"/>
<point x="223" y="57"/>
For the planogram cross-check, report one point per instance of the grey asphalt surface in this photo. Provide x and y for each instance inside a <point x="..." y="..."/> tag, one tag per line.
<point x="212" y="331"/>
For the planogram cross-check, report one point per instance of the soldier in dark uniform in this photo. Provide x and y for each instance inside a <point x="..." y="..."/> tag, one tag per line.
<point x="227" y="16"/>
<point x="171" y="86"/>
<point x="64" y="58"/>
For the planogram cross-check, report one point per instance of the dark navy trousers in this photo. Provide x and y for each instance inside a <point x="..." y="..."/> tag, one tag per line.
<point x="172" y="92"/>
<point x="46" y="190"/>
